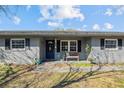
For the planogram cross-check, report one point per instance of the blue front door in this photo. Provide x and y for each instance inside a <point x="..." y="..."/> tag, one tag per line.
<point x="50" y="49"/>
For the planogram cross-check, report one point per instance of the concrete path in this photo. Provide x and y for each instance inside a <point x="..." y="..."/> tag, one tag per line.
<point x="50" y="67"/>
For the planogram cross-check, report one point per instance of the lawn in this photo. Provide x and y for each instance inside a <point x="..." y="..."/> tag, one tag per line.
<point x="56" y="79"/>
<point x="81" y="64"/>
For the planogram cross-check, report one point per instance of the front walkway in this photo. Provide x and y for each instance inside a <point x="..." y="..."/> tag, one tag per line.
<point x="67" y="67"/>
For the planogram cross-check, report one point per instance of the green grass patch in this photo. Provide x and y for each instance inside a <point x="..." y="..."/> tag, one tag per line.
<point x="5" y="70"/>
<point x="81" y="64"/>
<point x="8" y="69"/>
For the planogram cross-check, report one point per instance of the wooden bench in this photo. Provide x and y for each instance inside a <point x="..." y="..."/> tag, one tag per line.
<point x="72" y="55"/>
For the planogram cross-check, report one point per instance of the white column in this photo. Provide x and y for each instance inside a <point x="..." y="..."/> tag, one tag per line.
<point x="55" y="48"/>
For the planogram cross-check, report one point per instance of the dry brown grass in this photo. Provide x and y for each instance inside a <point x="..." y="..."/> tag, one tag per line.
<point x="50" y="79"/>
<point x="105" y="80"/>
<point x="61" y="65"/>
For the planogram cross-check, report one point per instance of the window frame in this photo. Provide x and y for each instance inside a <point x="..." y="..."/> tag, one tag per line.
<point x="17" y="48"/>
<point x="69" y="45"/>
<point x="76" y="45"/>
<point x="111" y="48"/>
<point x="61" y="45"/>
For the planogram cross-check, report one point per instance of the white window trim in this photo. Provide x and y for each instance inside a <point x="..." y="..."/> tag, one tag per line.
<point x="69" y="45"/>
<point x="17" y="48"/>
<point x="111" y="48"/>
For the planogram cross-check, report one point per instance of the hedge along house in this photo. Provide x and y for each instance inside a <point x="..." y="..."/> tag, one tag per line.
<point x="25" y="47"/>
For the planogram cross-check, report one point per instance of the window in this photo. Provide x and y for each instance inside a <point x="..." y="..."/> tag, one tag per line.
<point x="64" y="46"/>
<point x="110" y="43"/>
<point x="73" y="45"/>
<point x="70" y="45"/>
<point x="17" y="43"/>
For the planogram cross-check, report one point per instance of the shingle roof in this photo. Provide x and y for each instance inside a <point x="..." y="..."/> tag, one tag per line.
<point x="59" y="33"/>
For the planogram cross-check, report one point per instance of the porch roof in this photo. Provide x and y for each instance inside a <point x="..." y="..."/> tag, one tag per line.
<point x="59" y="33"/>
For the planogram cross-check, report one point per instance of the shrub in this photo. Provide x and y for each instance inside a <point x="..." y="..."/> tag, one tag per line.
<point x="92" y="60"/>
<point x="5" y="70"/>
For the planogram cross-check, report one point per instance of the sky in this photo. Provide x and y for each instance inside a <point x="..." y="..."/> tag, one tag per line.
<point x="54" y="17"/>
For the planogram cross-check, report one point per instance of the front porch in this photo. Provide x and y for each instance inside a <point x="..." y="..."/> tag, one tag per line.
<point x="55" y="48"/>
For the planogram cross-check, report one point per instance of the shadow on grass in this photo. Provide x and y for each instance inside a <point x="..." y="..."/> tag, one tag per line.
<point x="10" y="77"/>
<point x="71" y="77"/>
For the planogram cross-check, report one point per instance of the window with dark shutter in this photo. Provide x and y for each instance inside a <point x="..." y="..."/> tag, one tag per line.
<point x="27" y="43"/>
<point x="79" y="45"/>
<point x="102" y="44"/>
<point x="7" y="44"/>
<point x="119" y="43"/>
<point x="58" y="45"/>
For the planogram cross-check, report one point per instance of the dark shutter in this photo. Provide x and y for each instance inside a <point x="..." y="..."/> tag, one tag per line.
<point x="27" y="43"/>
<point x="58" y="45"/>
<point x="79" y="45"/>
<point x="7" y="44"/>
<point x="119" y="43"/>
<point x="102" y="44"/>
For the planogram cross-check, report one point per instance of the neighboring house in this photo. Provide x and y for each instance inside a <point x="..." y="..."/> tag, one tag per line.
<point x="23" y="47"/>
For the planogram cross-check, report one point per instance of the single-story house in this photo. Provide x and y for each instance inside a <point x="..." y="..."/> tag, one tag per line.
<point x="24" y="47"/>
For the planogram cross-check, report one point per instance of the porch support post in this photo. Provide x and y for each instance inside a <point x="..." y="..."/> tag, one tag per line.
<point x="55" y="47"/>
<point x="55" y="43"/>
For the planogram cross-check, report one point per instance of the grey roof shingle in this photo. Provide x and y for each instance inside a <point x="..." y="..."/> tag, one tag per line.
<point x="59" y="33"/>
